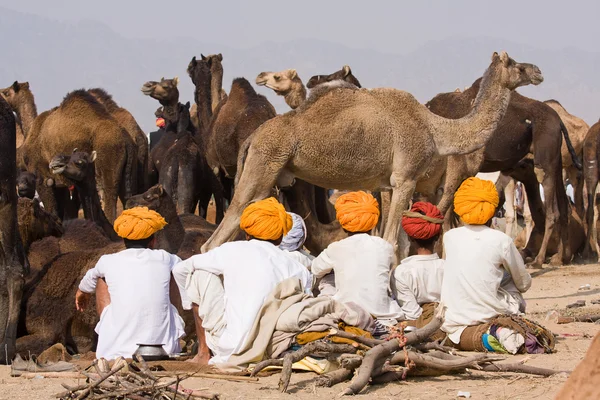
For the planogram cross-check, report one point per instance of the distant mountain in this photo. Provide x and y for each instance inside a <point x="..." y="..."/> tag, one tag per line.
<point x="57" y="57"/>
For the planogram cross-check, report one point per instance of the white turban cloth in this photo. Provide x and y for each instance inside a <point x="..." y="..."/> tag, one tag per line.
<point x="296" y="236"/>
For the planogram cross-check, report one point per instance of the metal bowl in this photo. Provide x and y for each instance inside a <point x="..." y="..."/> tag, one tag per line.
<point x="151" y="352"/>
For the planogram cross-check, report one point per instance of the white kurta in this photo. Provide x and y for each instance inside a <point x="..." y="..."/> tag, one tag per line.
<point x="300" y="256"/>
<point x="362" y="273"/>
<point x="250" y="271"/>
<point x="140" y="310"/>
<point x="475" y="285"/>
<point x="418" y="280"/>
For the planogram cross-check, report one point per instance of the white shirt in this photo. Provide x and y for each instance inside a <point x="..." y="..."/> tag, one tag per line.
<point x="362" y="273"/>
<point x="418" y="280"/>
<point x="300" y="256"/>
<point x="477" y="260"/>
<point x="140" y="310"/>
<point x="250" y="271"/>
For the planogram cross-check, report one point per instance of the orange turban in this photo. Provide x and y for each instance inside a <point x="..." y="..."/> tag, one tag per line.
<point x="138" y="223"/>
<point x="475" y="201"/>
<point x="423" y="221"/>
<point x="160" y="122"/>
<point x="266" y="220"/>
<point x="357" y="211"/>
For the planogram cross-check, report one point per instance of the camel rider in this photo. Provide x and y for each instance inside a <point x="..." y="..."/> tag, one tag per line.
<point x="292" y="242"/>
<point x="361" y="262"/>
<point x="139" y="309"/>
<point x="228" y="285"/>
<point x="484" y="274"/>
<point x="418" y="278"/>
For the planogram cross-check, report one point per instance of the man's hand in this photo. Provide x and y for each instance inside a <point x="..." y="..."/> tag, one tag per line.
<point x="82" y="300"/>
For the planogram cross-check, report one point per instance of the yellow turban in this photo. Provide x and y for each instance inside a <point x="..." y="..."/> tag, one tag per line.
<point x="357" y="211"/>
<point x="138" y="223"/>
<point x="475" y="201"/>
<point x="266" y="220"/>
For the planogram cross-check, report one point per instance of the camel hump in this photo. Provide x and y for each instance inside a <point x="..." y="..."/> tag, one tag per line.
<point x="241" y="85"/>
<point x="81" y="98"/>
<point x="104" y="98"/>
<point x="322" y="89"/>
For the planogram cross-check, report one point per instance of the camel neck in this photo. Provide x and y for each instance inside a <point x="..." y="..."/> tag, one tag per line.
<point x="27" y="112"/>
<point x="90" y="201"/>
<point x="203" y="98"/>
<point x="296" y="95"/>
<point x="216" y="85"/>
<point x="470" y="133"/>
<point x="171" y="236"/>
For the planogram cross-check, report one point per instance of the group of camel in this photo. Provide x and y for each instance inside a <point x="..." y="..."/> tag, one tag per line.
<point x="88" y="153"/>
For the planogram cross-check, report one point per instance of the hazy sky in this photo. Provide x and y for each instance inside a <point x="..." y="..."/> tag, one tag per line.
<point x="389" y="26"/>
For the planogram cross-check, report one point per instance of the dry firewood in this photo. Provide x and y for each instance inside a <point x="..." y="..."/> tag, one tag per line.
<point x="307" y="350"/>
<point x="350" y="361"/>
<point x="274" y="362"/>
<point x="87" y="391"/>
<point x="424" y="347"/>
<point x="390" y="376"/>
<point x="443" y="355"/>
<point x="333" y="378"/>
<point x="579" y="318"/>
<point x="360" y="339"/>
<point x="518" y="367"/>
<point x="423" y="360"/>
<point x="375" y="357"/>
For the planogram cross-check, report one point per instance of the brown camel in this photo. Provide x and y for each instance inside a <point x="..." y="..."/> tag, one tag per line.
<point x="591" y="174"/>
<point x="334" y="140"/>
<point x="26" y="184"/>
<point x="79" y="167"/>
<point x="35" y="223"/>
<point x="13" y="259"/>
<point x="344" y="74"/>
<point x="530" y="124"/>
<point x="583" y="381"/>
<point x="285" y="83"/>
<point x="21" y="100"/>
<point x="128" y="122"/>
<point x="577" y="129"/>
<point x="82" y="122"/>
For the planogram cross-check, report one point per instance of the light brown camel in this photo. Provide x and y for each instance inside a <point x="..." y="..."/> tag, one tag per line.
<point x="527" y="146"/>
<point x="335" y="140"/>
<point x="285" y="83"/>
<point x="128" y="122"/>
<point x="21" y="100"/>
<point x="13" y="260"/>
<point x="591" y="175"/>
<point x="82" y="122"/>
<point x="344" y="74"/>
<point x="577" y="129"/>
<point x="583" y="381"/>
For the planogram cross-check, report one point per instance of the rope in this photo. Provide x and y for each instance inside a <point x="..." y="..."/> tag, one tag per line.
<point x="412" y="214"/>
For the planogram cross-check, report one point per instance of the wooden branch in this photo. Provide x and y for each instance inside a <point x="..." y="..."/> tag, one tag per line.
<point x="423" y="360"/>
<point x="580" y="318"/>
<point x="379" y="353"/>
<point x="98" y="382"/>
<point x="390" y="376"/>
<point x="333" y="378"/>
<point x="424" y="347"/>
<point x="526" y="369"/>
<point x="350" y="361"/>
<point x="357" y="338"/>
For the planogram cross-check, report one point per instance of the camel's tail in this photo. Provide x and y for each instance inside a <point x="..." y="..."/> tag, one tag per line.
<point x="242" y="155"/>
<point x="576" y="160"/>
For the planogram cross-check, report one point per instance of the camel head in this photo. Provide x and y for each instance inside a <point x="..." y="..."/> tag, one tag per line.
<point x="26" y="184"/>
<point x="165" y="91"/>
<point x="344" y="74"/>
<point x="280" y="82"/>
<point x="199" y="72"/>
<point x="152" y="198"/>
<point x="15" y="93"/>
<point x="214" y="62"/>
<point x="74" y="166"/>
<point x="35" y="223"/>
<point x="515" y="74"/>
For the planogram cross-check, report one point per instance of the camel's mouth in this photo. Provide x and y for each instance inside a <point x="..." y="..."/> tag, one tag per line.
<point x="537" y="79"/>
<point x="58" y="165"/>
<point x="148" y="88"/>
<point x="261" y="81"/>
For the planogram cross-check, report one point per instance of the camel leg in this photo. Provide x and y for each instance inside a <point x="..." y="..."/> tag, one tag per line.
<point x="511" y="209"/>
<point x="577" y="181"/>
<point x="401" y="195"/>
<point x="527" y="217"/>
<point x="563" y="207"/>
<point x="14" y="287"/>
<point x="325" y="210"/>
<point x="549" y="185"/>
<point x="591" y="243"/>
<point x="186" y="185"/>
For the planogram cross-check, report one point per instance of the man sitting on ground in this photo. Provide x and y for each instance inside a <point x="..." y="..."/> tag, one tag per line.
<point x="361" y="262"/>
<point x="250" y="270"/>
<point x="137" y="307"/>
<point x="418" y="278"/>
<point x="484" y="274"/>
<point x="292" y="242"/>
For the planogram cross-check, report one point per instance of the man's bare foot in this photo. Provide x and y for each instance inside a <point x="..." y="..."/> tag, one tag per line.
<point x="200" y="358"/>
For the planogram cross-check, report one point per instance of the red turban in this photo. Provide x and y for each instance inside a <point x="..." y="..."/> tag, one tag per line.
<point x="423" y="221"/>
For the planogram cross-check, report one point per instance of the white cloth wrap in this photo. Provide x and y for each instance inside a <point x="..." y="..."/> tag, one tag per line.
<point x="296" y="237"/>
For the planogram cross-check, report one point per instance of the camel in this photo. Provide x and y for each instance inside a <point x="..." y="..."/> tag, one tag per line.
<point x="26" y="184"/>
<point x="13" y="259"/>
<point x="577" y="129"/>
<point x="285" y="83"/>
<point x="528" y="124"/>
<point x="334" y="140"/>
<point x="344" y="74"/>
<point x="128" y="122"/>
<point x="82" y="122"/>
<point x="35" y="223"/>
<point x="591" y="174"/>
<point x="582" y="383"/>
<point x="21" y="100"/>
<point x="79" y="167"/>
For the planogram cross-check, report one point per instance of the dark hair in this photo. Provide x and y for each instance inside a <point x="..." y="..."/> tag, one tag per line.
<point x="138" y="244"/>
<point x="426" y="243"/>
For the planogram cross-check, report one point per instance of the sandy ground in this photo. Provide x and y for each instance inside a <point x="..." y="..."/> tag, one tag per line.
<point x="552" y="289"/>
